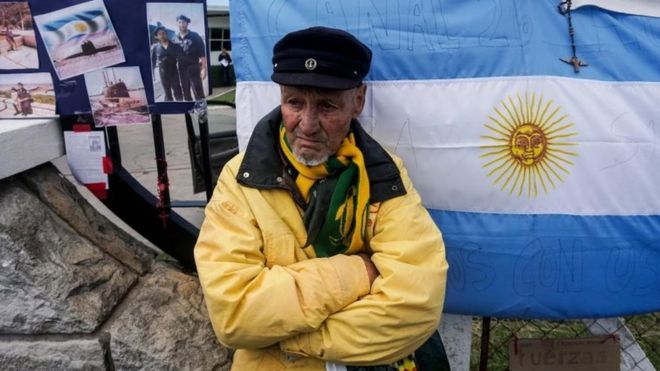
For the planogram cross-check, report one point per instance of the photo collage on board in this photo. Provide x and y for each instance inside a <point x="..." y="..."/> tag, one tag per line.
<point x="82" y="40"/>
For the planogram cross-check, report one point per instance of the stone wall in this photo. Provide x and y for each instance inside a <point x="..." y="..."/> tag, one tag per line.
<point x="78" y="293"/>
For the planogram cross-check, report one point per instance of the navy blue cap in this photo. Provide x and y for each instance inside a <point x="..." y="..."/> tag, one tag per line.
<point x="182" y="17"/>
<point x="159" y="28"/>
<point x="320" y="57"/>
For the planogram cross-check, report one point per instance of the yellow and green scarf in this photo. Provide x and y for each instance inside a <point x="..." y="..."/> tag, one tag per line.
<point x="337" y="196"/>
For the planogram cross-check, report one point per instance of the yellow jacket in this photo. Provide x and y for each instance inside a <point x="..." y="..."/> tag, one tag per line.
<point x="284" y="309"/>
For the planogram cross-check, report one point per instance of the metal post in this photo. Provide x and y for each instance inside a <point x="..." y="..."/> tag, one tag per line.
<point x="161" y="166"/>
<point x="113" y="145"/>
<point x="206" y="156"/>
<point x="485" y="341"/>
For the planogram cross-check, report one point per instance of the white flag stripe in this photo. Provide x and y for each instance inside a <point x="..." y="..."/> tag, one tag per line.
<point x="73" y="29"/>
<point x="638" y="7"/>
<point x="603" y="161"/>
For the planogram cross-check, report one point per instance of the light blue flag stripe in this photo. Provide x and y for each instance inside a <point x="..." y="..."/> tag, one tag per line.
<point x="420" y="40"/>
<point x="555" y="266"/>
<point x="85" y="16"/>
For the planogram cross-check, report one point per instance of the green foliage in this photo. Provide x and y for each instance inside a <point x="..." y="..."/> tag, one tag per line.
<point x="16" y="14"/>
<point x="45" y="99"/>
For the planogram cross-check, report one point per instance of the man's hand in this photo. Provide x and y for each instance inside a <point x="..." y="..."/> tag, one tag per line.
<point x="202" y="68"/>
<point x="372" y="271"/>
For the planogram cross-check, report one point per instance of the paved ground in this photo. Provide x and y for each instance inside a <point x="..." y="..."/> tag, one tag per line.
<point x="7" y="110"/>
<point x="24" y="57"/>
<point x="138" y="156"/>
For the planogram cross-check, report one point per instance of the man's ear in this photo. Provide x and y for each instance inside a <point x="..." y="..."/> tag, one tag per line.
<point x="360" y="98"/>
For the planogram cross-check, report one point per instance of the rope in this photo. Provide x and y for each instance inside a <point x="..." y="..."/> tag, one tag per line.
<point x="565" y="9"/>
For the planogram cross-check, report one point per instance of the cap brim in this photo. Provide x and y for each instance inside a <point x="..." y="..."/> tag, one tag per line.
<point x="314" y="80"/>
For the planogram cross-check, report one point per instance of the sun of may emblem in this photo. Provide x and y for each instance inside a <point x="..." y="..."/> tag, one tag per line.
<point x="530" y="147"/>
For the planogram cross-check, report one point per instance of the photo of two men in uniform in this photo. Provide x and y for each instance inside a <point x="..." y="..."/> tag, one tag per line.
<point x="178" y="59"/>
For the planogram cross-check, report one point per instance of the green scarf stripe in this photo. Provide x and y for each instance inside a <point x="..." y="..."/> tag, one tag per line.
<point x="333" y="164"/>
<point x="331" y="239"/>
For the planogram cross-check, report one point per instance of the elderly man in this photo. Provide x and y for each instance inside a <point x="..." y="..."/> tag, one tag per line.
<point x="192" y="64"/>
<point x="316" y="251"/>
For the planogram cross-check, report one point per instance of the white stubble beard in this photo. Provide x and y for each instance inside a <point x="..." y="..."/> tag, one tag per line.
<point x="310" y="161"/>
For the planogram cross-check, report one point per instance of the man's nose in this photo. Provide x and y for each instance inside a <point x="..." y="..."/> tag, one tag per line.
<point x="309" y="121"/>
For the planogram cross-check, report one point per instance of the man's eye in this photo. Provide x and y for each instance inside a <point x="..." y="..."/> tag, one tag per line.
<point x="327" y="106"/>
<point x="294" y="103"/>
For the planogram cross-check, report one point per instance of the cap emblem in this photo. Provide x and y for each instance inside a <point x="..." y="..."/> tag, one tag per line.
<point x="310" y="64"/>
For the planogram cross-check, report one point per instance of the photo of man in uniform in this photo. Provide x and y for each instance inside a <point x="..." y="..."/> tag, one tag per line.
<point x="164" y="57"/>
<point x="192" y="64"/>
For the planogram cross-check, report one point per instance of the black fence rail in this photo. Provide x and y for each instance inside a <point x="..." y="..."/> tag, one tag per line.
<point x="639" y="338"/>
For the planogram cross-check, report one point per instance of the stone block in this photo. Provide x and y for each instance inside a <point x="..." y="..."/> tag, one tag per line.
<point x="51" y="279"/>
<point x="62" y="197"/>
<point x="53" y="355"/>
<point x="164" y="325"/>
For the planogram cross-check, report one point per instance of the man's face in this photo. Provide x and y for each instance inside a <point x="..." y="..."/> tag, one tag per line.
<point x="183" y="25"/>
<point x="161" y="35"/>
<point x="316" y="120"/>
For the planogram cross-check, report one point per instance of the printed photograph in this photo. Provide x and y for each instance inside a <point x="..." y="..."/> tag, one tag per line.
<point x="117" y="96"/>
<point x="178" y="51"/>
<point x="80" y="39"/>
<point x="27" y="95"/>
<point x="18" y="45"/>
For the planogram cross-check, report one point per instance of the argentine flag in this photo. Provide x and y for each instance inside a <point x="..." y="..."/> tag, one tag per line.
<point x="542" y="172"/>
<point x="75" y="26"/>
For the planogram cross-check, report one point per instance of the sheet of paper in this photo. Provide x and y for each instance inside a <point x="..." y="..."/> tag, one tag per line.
<point x="85" y="152"/>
